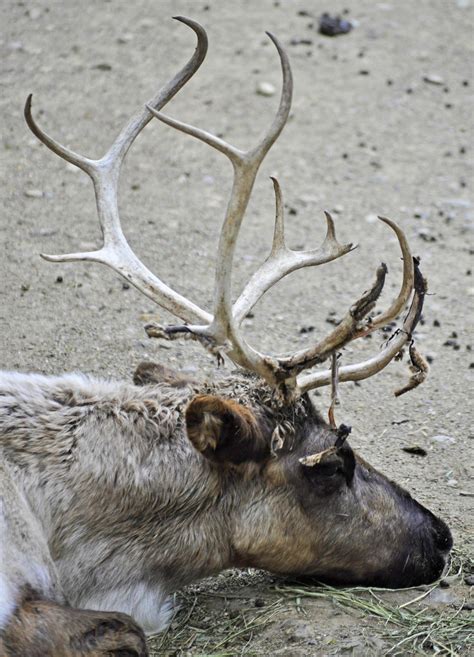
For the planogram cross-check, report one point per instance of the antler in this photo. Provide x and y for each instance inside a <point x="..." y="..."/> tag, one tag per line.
<point x="224" y="331"/>
<point x="393" y="346"/>
<point x="105" y="172"/>
<point x="282" y="260"/>
<point x="220" y="331"/>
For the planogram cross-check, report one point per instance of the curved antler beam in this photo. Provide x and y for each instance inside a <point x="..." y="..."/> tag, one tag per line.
<point x="373" y="365"/>
<point x="350" y="327"/>
<point x="223" y="328"/>
<point x="116" y="252"/>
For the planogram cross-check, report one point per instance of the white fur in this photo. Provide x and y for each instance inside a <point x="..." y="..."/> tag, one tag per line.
<point x="7" y="599"/>
<point x="147" y="604"/>
<point x="22" y="562"/>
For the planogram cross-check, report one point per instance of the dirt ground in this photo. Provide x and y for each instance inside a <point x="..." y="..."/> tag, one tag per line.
<point x="381" y="124"/>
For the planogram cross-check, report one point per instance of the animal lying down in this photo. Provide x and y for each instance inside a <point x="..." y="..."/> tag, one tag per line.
<point x="114" y="495"/>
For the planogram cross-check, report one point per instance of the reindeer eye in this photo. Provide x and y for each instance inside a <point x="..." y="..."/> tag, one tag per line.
<point x="328" y="469"/>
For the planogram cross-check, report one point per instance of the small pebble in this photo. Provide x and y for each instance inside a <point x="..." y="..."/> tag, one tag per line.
<point x="433" y="79"/>
<point x="333" y="25"/>
<point x="452" y="343"/>
<point x="444" y="440"/>
<point x="34" y="193"/>
<point x="415" y="449"/>
<point x="103" y="67"/>
<point x="426" y="235"/>
<point x="266" y="89"/>
<point x="301" y="42"/>
<point x="124" y="38"/>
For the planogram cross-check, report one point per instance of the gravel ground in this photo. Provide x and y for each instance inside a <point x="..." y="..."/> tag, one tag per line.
<point x="381" y="124"/>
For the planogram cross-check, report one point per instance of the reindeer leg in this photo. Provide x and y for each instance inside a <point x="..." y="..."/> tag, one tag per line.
<point x="42" y="628"/>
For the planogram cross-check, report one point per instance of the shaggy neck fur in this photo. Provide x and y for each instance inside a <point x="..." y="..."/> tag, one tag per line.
<point x="129" y="510"/>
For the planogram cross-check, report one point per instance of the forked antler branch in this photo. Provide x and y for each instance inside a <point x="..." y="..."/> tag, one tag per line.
<point x="282" y="260"/>
<point x="105" y="172"/>
<point x="220" y="330"/>
<point x="394" y="345"/>
<point x="223" y="329"/>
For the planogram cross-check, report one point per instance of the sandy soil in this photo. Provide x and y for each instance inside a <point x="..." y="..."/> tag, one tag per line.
<point x="368" y="135"/>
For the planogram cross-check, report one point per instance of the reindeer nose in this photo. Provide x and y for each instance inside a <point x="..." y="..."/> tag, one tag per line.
<point x="440" y="543"/>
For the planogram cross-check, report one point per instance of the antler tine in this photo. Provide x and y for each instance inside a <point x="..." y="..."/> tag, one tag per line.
<point x="368" y="368"/>
<point x="253" y="157"/>
<point x="282" y="260"/>
<point x="67" y="154"/>
<point x="278" y="243"/>
<point x="223" y="330"/>
<point x="351" y="326"/>
<point x="104" y="172"/>
<point x="138" y="121"/>
<point x="405" y="290"/>
<point x="136" y="124"/>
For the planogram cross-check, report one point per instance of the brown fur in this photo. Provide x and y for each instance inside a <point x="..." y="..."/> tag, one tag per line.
<point x="42" y="628"/>
<point x="224" y="430"/>
<point x="155" y="373"/>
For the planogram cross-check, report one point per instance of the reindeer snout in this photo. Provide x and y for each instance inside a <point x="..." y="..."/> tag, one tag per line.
<point x="437" y="547"/>
<point x="443" y="539"/>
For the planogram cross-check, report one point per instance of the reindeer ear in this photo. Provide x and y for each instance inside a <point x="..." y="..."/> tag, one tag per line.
<point x="148" y="373"/>
<point x="224" y="431"/>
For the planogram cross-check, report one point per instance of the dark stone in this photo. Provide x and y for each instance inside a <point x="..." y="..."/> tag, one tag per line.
<point x="333" y="25"/>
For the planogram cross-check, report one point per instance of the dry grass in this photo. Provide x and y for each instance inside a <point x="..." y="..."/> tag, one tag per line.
<point x="228" y="626"/>
<point x="195" y="632"/>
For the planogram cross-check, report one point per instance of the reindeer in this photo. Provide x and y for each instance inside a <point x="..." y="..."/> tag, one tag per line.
<point x="113" y="495"/>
